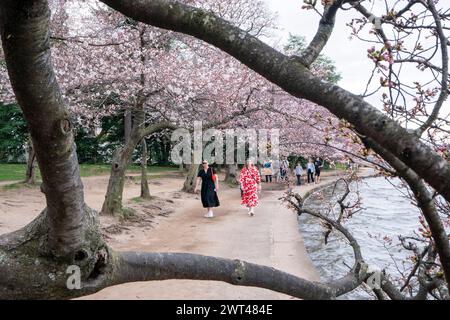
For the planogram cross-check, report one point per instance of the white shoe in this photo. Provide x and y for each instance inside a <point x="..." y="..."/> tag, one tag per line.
<point x="209" y="215"/>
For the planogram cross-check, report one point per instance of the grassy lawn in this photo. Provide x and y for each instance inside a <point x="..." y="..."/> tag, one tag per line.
<point x="14" y="172"/>
<point x="11" y="172"/>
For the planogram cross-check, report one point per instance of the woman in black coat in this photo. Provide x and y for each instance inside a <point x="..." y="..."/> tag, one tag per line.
<point x="210" y="186"/>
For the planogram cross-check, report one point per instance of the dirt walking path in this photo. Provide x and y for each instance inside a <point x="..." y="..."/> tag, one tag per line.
<point x="270" y="238"/>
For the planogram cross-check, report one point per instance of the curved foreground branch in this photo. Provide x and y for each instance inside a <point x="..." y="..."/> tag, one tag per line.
<point x="134" y="266"/>
<point x="27" y="272"/>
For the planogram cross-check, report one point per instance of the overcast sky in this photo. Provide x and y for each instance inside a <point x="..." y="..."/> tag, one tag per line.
<point x="350" y="56"/>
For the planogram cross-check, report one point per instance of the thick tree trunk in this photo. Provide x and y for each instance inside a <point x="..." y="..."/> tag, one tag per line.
<point x="27" y="272"/>
<point x="24" y="29"/>
<point x="127" y="126"/>
<point x="145" y="191"/>
<point x="165" y="150"/>
<point x="121" y="160"/>
<point x="30" y="174"/>
<point x="189" y="183"/>
<point x="114" y="193"/>
<point x="231" y="174"/>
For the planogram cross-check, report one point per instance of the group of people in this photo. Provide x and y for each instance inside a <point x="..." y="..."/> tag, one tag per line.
<point x="250" y="184"/>
<point x="314" y="168"/>
<point x="279" y="169"/>
<point x="250" y="181"/>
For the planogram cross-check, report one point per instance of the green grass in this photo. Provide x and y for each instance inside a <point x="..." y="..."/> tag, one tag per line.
<point x="11" y="172"/>
<point x="339" y="166"/>
<point x="137" y="200"/>
<point x="16" y="172"/>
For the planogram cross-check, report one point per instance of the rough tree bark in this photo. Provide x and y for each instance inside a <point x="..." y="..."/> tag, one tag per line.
<point x="121" y="160"/>
<point x="231" y="176"/>
<point x="128" y="121"/>
<point x="25" y="39"/>
<point x="135" y="132"/>
<point x="113" y="197"/>
<point x="189" y="182"/>
<point x="30" y="174"/>
<point x="296" y="79"/>
<point x="145" y="191"/>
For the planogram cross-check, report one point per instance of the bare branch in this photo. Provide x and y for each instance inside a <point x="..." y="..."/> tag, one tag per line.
<point x="444" y="81"/>
<point x="326" y="26"/>
<point x="425" y="202"/>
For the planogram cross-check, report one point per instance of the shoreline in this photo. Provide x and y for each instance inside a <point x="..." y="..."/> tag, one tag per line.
<point x="363" y="173"/>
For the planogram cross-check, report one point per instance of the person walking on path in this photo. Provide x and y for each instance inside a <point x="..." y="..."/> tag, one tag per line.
<point x="268" y="170"/>
<point x="311" y="170"/>
<point x="210" y="186"/>
<point x="284" y="169"/>
<point x="250" y="181"/>
<point x="333" y="164"/>
<point x="347" y="164"/>
<point x="318" y="165"/>
<point x="276" y="170"/>
<point x="298" y="173"/>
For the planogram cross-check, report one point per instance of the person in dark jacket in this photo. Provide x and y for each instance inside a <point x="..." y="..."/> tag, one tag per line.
<point x="318" y="165"/>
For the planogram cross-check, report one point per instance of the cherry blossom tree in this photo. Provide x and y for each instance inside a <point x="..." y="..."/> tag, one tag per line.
<point x="173" y="98"/>
<point x="66" y="232"/>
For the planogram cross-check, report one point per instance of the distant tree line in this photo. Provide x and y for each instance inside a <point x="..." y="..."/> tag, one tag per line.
<point x="94" y="145"/>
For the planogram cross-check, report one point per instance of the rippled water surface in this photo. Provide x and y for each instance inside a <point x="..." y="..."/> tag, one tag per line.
<point x="386" y="212"/>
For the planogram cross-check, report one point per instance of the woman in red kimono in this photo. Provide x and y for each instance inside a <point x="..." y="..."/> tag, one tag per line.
<point x="250" y="181"/>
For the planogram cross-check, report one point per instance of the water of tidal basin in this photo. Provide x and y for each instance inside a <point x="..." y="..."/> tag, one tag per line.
<point x="386" y="212"/>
